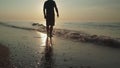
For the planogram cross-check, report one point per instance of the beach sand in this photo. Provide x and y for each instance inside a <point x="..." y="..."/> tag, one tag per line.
<point x="4" y="57"/>
<point x="27" y="49"/>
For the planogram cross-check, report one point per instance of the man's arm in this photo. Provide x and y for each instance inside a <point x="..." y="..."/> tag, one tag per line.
<point x="56" y="10"/>
<point x="44" y="11"/>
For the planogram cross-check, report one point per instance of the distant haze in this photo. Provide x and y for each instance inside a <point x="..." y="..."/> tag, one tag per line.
<point x="70" y="10"/>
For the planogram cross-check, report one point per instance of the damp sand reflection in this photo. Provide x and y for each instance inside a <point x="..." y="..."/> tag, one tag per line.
<point x="47" y="59"/>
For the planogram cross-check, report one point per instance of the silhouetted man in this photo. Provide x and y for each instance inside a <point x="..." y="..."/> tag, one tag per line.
<point x="49" y="15"/>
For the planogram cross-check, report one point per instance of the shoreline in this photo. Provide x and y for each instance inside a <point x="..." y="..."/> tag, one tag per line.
<point x="82" y="37"/>
<point x="74" y="35"/>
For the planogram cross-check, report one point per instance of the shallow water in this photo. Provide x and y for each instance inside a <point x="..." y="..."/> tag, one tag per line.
<point x="25" y="46"/>
<point x="111" y="29"/>
<point x="27" y="50"/>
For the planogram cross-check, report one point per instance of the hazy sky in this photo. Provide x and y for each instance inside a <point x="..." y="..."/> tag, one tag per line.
<point x="70" y="10"/>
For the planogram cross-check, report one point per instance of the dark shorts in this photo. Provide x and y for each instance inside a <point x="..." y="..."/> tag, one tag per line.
<point x="50" y="21"/>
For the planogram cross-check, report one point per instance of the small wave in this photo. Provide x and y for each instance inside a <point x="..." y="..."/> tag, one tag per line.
<point x="83" y="37"/>
<point x="74" y="35"/>
<point x="13" y="26"/>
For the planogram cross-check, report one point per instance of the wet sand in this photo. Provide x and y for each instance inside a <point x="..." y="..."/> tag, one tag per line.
<point x="28" y="49"/>
<point x="4" y="57"/>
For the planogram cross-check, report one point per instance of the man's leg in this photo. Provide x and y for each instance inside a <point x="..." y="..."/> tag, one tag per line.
<point x="51" y="30"/>
<point x="47" y="28"/>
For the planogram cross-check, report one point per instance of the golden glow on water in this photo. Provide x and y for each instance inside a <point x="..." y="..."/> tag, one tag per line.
<point x="42" y="38"/>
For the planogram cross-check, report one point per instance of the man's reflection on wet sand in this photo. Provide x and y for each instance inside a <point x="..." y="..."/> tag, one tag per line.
<point x="48" y="61"/>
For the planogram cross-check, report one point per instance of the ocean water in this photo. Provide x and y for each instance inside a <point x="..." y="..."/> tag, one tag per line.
<point x="111" y="29"/>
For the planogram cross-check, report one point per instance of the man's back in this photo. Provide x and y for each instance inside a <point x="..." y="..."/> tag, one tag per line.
<point x="49" y="5"/>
